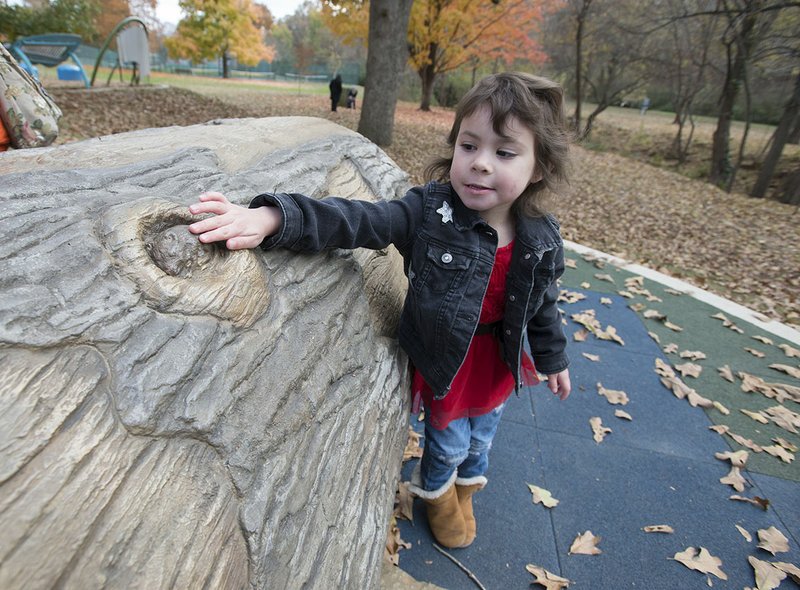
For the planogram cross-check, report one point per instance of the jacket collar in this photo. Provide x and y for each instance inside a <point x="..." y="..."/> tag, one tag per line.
<point x="539" y="233"/>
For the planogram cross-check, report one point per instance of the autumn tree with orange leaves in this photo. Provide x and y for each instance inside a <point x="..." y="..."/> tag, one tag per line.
<point x="221" y="28"/>
<point x="446" y="35"/>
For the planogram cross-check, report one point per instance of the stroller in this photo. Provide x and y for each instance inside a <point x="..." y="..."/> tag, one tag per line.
<point x="351" y="98"/>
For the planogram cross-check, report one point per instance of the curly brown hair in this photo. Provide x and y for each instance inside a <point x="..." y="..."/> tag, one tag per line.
<point x="536" y="102"/>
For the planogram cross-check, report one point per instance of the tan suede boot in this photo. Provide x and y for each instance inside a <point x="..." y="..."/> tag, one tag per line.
<point x="445" y="519"/>
<point x="464" y="494"/>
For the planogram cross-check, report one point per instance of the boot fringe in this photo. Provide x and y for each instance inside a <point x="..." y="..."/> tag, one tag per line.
<point x="415" y="486"/>
<point x="471" y="481"/>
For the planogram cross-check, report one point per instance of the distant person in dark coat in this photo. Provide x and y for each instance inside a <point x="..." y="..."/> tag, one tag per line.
<point x="336" y="91"/>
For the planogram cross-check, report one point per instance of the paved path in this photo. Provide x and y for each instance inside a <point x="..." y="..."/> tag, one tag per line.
<point x="657" y="469"/>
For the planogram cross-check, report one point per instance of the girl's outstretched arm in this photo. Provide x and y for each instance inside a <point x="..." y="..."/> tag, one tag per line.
<point x="559" y="384"/>
<point x="239" y="227"/>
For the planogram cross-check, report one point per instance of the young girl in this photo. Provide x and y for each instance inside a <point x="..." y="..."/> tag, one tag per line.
<point x="482" y="261"/>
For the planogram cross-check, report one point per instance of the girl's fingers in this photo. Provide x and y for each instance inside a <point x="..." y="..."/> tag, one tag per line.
<point x="213" y="196"/>
<point x="216" y="207"/>
<point x="207" y="225"/>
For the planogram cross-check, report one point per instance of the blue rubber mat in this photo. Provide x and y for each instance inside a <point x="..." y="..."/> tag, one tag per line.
<point x="656" y="469"/>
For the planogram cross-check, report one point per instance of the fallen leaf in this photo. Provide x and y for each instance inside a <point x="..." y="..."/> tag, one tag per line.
<point x="772" y="540"/>
<point x="736" y="458"/>
<point x="722" y="409"/>
<point x="604" y="277"/>
<point x="671" y="348"/>
<point x="762" y="503"/>
<point x="651" y="297"/>
<point x="757" y="416"/>
<point x="789" y="568"/>
<point x="623" y="414"/>
<point x="412" y="450"/>
<point x="606" y="301"/>
<point x="763" y="340"/>
<point x="598" y="429"/>
<point x="571" y="296"/>
<point x="658" y="528"/>
<point x="788" y="369"/>
<point x="726" y="373"/>
<point x="654" y="336"/>
<point x="745" y="442"/>
<point x="613" y="396"/>
<point x="756" y="353"/>
<point x="734" y="479"/>
<point x="570" y="263"/>
<point x="784" y="417"/>
<point x="690" y="369"/>
<point x="701" y="561"/>
<point x="610" y="333"/>
<point x="581" y="335"/>
<point x="542" y="496"/>
<point x="652" y="314"/>
<point x="768" y="577"/>
<point x="625" y="294"/>
<point x="673" y="327"/>
<point x="585" y="285"/>
<point x="592" y="357"/>
<point x="727" y="323"/>
<point x="790" y="351"/>
<point x="404" y="503"/>
<point x="748" y="537"/>
<point x="549" y="580"/>
<point x="779" y="452"/>
<point x="637" y="281"/>
<point x="792" y="448"/>
<point x="394" y="543"/>
<point x="672" y="291"/>
<point x="585" y="544"/>
<point x="694" y="355"/>
<point x="777" y="391"/>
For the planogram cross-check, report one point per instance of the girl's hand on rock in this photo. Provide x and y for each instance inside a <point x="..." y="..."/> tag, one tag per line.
<point x="239" y="227"/>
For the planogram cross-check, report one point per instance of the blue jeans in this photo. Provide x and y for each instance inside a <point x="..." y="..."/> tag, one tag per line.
<point x="463" y="447"/>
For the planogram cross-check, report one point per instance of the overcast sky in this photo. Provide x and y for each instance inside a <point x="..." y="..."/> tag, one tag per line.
<point x="168" y="11"/>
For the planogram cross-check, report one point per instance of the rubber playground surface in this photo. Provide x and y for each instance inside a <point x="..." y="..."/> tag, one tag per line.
<point x="656" y="463"/>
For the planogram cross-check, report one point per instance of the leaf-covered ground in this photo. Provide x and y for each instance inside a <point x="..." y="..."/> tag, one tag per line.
<point x="744" y="249"/>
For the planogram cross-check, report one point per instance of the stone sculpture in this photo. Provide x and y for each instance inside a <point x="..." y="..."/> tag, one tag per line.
<point x="180" y="416"/>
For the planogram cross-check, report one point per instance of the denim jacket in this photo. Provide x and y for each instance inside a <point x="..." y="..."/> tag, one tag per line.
<point x="449" y="252"/>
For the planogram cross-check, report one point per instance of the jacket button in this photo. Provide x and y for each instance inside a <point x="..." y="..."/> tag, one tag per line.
<point x="508" y="332"/>
<point x="447" y="258"/>
<point x="512" y="298"/>
<point x="527" y="255"/>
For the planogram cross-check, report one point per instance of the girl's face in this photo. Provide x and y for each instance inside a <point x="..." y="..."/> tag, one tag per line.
<point x="491" y="171"/>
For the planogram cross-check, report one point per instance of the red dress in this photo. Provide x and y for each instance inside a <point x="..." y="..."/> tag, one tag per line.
<point x="484" y="381"/>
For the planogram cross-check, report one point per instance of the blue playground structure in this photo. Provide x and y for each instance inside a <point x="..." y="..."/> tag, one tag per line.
<point x="50" y="50"/>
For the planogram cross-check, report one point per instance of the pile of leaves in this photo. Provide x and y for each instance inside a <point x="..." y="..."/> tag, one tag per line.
<point x="747" y="250"/>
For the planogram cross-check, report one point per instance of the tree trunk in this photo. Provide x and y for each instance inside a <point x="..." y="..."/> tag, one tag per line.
<point x="427" y="76"/>
<point x="386" y="57"/>
<point x="790" y="190"/>
<point x="578" y="69"/>
<point x="720" y="156"/>
<point x="779" y="139"/>
<point x="225" y="65"/>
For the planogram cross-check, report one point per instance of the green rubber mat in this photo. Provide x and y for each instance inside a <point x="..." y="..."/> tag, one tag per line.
<point x="721" y="346"/>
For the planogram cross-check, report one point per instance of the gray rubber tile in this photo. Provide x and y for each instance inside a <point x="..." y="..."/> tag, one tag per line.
<point x="614" y="492"/>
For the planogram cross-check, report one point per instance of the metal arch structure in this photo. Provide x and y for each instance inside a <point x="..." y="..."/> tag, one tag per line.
<point x="121" y="25"/>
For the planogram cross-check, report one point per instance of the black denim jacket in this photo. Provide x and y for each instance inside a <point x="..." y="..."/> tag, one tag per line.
<point x="449" y="252"/>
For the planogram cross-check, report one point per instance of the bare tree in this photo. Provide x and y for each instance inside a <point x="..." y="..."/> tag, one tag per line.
<point x="779" y="140"/>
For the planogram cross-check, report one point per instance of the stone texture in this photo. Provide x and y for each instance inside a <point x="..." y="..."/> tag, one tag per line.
<point x="177" y="415"/>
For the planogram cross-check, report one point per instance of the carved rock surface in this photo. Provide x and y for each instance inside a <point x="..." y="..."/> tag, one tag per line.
<point x="177" y="415"/>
